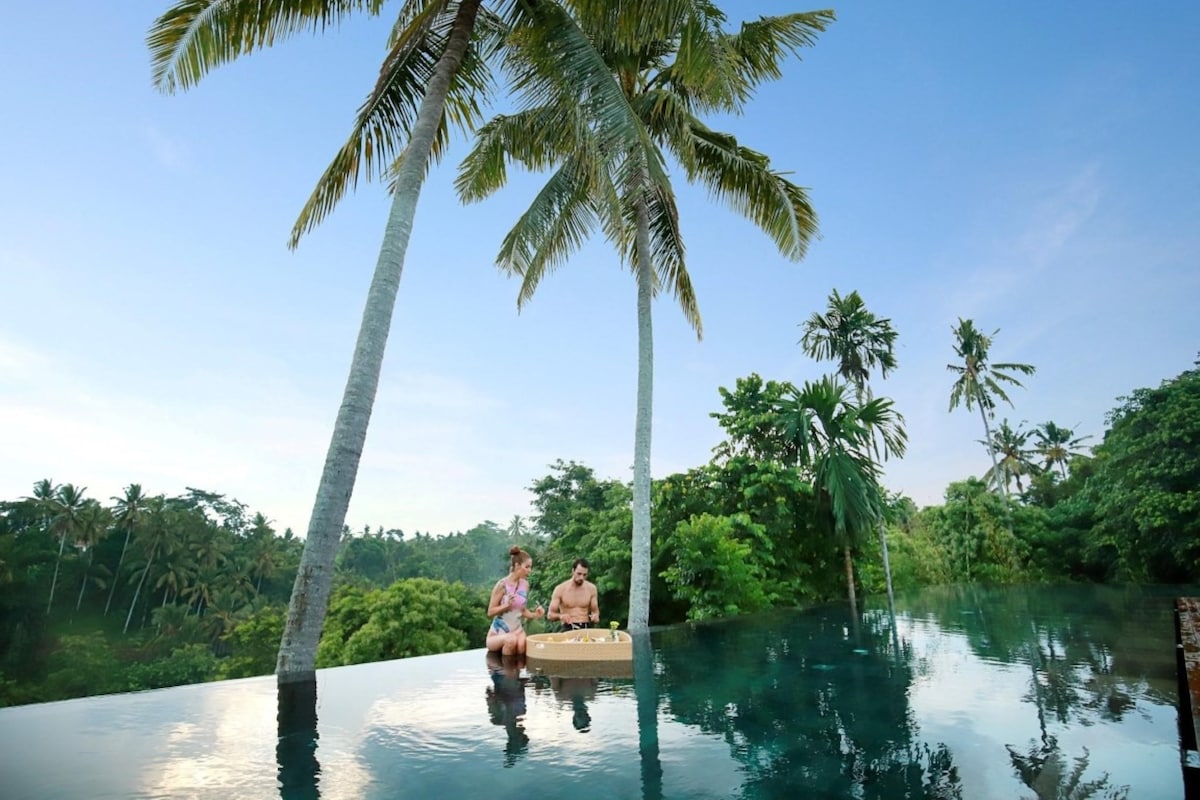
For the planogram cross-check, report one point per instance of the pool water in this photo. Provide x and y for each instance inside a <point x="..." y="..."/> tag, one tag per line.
<point x="972" y="693"/>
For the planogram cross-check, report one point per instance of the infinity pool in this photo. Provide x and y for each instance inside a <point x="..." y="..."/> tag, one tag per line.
<point x="971" y="694"/>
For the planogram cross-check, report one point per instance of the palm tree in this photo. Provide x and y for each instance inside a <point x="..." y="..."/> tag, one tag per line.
<point x="853" y="336"/>
<point x="128" y="513"/>
<point x="835" y="440"/>
<point x="682" y="67"/>
<point x="1057" y="446"/>
<point x="94" y="520"/>
<point x="859" y="341"/>
<point x="979" y="382"/>
<point x="433" y="74"/>
<point x="155" y="538"/>
<point x="66" y="507"/>
<point x="1014" y="456"/>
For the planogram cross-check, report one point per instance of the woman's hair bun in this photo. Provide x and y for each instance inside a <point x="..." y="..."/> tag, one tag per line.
<point x="512" y="551"/>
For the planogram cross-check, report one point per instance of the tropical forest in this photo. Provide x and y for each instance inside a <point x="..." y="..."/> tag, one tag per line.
<point x="143" y="590"/>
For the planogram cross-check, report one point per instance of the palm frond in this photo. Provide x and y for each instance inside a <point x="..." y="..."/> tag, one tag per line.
<point x="384" y="121"/>
<point x="668" y="254"/>
<point x="556" y="224"/>
<point x="763" y="44"/>
<point x="193" y="37"/>
<point x="743" y="178"/>
<point x="551" y="60"/>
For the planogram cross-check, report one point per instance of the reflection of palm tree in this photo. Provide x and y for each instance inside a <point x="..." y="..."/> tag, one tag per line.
<point x="645" y="686"/>
<point x="1043" y="768"/>
<point x="296" y="743"/>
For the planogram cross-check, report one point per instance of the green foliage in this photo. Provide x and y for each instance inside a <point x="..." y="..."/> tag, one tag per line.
<point x="972" y="530"/>
<point x="712" y="570"/>
<point x="254" y="644"/>
<point x="189" y="663"/>
<point x="1146" y="490"/>
<point x="412" y="617"/>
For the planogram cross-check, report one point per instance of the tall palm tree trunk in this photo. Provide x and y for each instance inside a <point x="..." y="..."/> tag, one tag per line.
<point x="136" y="593"/>
<point x="62" y="543"/>
<point x="310" y="593"/>
<point x="117" y="575"/>
<point x="86" y="572"/>
<point x="1001" y="479"/>
<point x="639" y="583"/>
<point x="850" y="581"/>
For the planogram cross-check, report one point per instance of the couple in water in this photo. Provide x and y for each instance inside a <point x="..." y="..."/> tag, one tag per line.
<point x="574" y="603"/>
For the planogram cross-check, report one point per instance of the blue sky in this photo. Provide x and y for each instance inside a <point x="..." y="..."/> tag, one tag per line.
<point x="1032" y="166"/>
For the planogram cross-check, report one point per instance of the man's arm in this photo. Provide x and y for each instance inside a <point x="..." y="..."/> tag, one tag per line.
<point x="555" y="610"/>
<point x="594" y="611"/>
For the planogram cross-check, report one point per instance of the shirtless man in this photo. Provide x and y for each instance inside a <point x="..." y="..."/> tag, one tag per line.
<point x="574" y="600"/>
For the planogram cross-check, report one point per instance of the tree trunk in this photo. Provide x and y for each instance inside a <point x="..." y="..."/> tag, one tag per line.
<point x="310" y="593"/>
<point x="117" y="574"/>
<point x="133" y="605"/>
<point x="1001" y="478"/>
<point x="62" y="543"/>
<point x="639" y="582"/>
<point x="887" y="565"/>
<point x="850" y="581"/>
<point x="83" y="583"/>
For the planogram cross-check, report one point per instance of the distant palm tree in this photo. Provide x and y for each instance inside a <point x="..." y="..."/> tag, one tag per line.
<point x="128" y="514"/>
<point x="93" y="527"/>
<point x="859" y="341"/>
<point x="1015" y="458"/>
<point x="153" y="540"/>
<point x="1057" y="446"/>
<point x="682" y="68"/>
<point x="835" y="438"/>
<point x="66" y="507"/>
<point x="516" y="527"/>
<point x="979" y="381"/>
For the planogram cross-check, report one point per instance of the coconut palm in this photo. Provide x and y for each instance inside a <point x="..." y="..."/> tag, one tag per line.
<point x="835" y="440"/>
<point x="153" y="541"/>
<point x="128" y="513"/>
<point x="853" y="336"/>
<point x="1057" y="446"/>
<point x="684" y="66"/>
<point x="1014" y="456"/>
<point x="66" y="508"/>
<point x="94" y="520"/>
<point x="980" y="382"/>
<point x="433" y="74"/>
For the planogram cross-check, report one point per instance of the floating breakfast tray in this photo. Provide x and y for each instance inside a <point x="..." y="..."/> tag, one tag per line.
<point x="586" y="644"/>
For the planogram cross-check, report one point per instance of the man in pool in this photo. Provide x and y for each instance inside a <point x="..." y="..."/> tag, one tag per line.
<point x="574" y="602"/>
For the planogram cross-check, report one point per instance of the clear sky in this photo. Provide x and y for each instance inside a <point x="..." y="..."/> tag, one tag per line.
<point x="1032" y="166"/>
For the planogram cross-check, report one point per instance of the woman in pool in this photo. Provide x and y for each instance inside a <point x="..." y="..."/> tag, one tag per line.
<point x="508" y="608"/>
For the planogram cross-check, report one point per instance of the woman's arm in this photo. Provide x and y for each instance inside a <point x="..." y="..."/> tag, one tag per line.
<point x="497" y="604"/>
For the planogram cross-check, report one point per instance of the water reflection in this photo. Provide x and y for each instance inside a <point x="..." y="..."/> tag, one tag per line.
<point x="296" y="746"/>
<point x="1027" y="693"/>
<point x="575" y="692"/>
<point x="506" y="702"/>
<point x="645" y="686"/>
